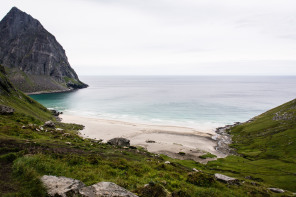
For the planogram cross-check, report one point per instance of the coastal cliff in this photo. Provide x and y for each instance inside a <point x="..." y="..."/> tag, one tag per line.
<point x="34" y="60"/>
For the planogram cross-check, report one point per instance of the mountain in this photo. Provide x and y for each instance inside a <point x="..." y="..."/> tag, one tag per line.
<point x="34" y="60"/>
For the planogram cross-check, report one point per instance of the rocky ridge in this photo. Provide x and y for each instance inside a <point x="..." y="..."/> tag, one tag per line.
<point x="34" y="59"/>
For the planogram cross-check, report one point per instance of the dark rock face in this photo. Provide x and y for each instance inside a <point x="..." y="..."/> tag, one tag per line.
<point x="119" y="142"/>
<point x="32" y="53"/>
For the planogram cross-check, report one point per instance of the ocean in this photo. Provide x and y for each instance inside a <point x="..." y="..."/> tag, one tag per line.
<point x="200" y="102"/>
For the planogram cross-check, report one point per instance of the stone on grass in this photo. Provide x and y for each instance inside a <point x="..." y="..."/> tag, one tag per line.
<point x="67" y="187"/>
<point x="61" y="186"/>
<point x="49" y="124"/>
<point x="106" y="189"/>
<point x="119" y="142"/>
<point x="276" y="190"/>
<point x="195" y="170"/>
<point x="5" y="110"/>
<point x="226" y="179"/>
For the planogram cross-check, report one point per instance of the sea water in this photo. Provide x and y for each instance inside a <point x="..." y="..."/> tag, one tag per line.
<point x="201" y="102"/>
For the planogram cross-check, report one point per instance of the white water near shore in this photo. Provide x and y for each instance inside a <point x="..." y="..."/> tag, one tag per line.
<point x="169" y="140"/>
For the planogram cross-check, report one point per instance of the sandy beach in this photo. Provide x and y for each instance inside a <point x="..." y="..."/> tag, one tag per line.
<point x="169" y="140"/>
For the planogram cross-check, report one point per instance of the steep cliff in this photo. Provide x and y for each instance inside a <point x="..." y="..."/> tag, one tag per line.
<point x="35" y="61"/>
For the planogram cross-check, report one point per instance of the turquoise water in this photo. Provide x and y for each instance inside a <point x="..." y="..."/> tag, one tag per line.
<point x="200" y="102"/>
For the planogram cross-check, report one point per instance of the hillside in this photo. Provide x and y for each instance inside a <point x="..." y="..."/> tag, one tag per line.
<point x="29" y="150"/>
<point x="266" y="146"/>
<point x="35" y="61"/>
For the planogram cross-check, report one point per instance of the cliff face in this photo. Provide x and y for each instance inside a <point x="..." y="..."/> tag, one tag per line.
<point x="34" y="58"/>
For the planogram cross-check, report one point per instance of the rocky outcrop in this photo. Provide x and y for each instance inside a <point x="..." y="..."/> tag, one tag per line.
<point x="36" y="61"/>
<point x="119" y="142"/>
<point x="283" y="116"/>
<point x="4" y="110"/>
<point x="67" y="187"/>
<point x="226" y="179"/>
<point x="61" y="186"/>
<point x="223" y="139"/>
<point x="105" y="189"/>
<point x="49" y="124"/>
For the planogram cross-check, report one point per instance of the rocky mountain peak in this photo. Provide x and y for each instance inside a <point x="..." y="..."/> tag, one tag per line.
<point x="36" y="61"/>
<point x="17" y="21"/>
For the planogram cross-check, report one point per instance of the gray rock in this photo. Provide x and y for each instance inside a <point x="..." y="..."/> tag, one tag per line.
<point x="226" y="179"/>
<point x="49" y="124"/>
<point x="105" y="189"/>
<point x="150" y="141"/>
<point x="55" y="112"/>
<point x="276" y="190"/>
<point x="282" y="116"/>
<point x="61" y="186"/>
<point x="119" y="142"/>
<point x="5" y="110"/>
<point x="36" y="60"/>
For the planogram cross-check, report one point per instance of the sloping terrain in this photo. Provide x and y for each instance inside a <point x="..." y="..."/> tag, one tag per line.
<point x="28" y="150"/>
<point x="266" y="146"/>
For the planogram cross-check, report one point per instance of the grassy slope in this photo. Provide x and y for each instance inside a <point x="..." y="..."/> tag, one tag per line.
<point x="267" y="149"/>
<point x="26" y="154"/>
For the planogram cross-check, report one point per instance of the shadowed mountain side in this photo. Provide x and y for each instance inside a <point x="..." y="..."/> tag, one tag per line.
<point x="35" y="60"/>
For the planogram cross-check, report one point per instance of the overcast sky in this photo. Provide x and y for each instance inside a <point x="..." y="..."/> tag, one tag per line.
<point x="187" y="37"/>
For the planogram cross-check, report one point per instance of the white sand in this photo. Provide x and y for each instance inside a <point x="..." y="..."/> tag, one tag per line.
<point x="170" y="140"/>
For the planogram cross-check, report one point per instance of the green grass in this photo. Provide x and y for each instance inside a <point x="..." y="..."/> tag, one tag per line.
<point x="266" y="148"/>
<point x="32" y="153"/>
<point x="207" y="155"/>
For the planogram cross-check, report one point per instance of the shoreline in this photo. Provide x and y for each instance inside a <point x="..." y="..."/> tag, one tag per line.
<point x="168" y="140"/>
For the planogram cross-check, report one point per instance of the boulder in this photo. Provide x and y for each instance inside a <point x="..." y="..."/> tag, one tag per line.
<point x="55" y="112"/>
<point x="119" y="142"/>
<point x="49" y="124"/>
<point x="276" y="190"/>
<point x="5" y="110"/>
<point x="67" y="187"/>
<point x="226" y="179"/>
<point x="106" y="189"/>
<point x="61" y="186"/>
